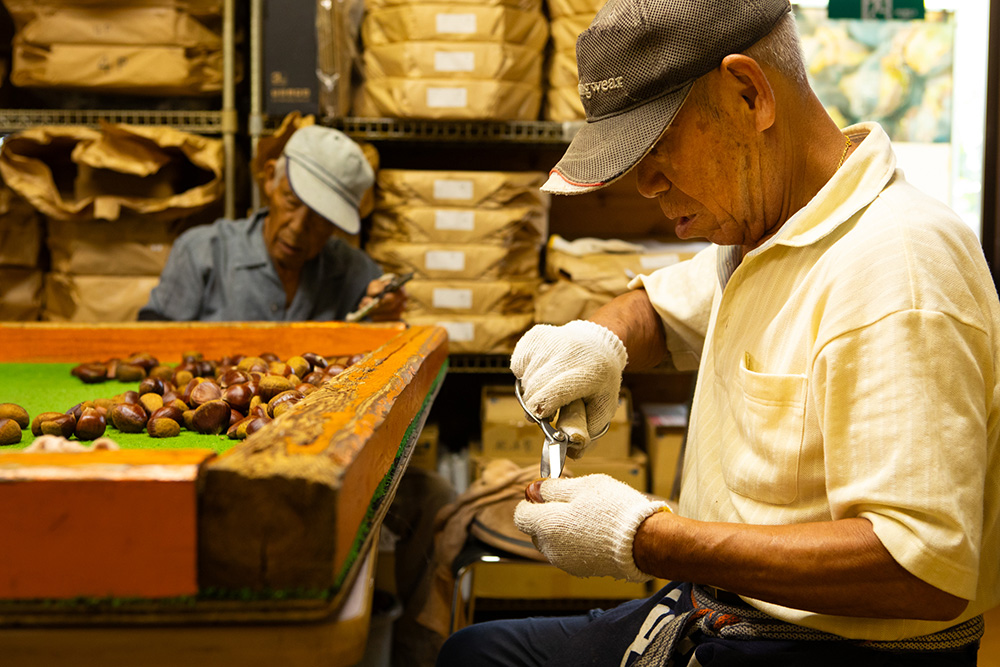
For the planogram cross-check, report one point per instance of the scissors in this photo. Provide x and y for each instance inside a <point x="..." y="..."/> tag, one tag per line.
<point x="556" y="440"/>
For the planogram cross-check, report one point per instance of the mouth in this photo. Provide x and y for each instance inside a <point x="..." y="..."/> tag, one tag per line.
<point x="683" y="224"/>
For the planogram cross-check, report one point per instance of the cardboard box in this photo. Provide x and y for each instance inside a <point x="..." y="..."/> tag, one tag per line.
<point x="666" y="425"/>
<point x="290" y="59"/>
<point x="425" y="449"/>
<point x="508" y="433"/>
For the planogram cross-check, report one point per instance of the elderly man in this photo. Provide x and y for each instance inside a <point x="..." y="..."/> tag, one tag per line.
<point x="839" y="504"/>
<point x="285" y="262"/>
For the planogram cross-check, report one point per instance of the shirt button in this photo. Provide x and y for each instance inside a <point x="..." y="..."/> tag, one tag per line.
<point x="274" y="307"/>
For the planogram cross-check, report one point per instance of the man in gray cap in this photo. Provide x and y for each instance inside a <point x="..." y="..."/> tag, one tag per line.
<point x="840" y="499"/>
<point x="285" y="262"/>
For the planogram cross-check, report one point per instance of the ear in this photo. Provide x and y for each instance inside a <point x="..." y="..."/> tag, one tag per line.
<point x="749" y="81"/>
<point x="269" y="178"/>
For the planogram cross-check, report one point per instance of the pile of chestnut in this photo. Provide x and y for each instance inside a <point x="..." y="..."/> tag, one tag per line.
<point x="235" y="395"/>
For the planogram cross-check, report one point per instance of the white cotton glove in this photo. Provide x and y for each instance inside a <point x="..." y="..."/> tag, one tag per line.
<point x="586" y="525"/>
<point x="578" y="360"/>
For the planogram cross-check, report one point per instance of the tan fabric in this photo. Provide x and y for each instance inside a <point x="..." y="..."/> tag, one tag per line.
<point x="448" y="99"/>
<point x="477" y="334"/>
<point x="455" y="60"/>
<point x="71" y="298"/>
<point x="463" y="189"/>
<point x="563" y="301"/>
<point x="470" y="297"/>
<point x="133" y="247"/>
<point x="470" y="261"/>
<point x="20" y="294"/>
<point x="156" y="47"/>
<point x="115" y="169"/>
<point x="501" y="480"/>
<point x="426" y="224"/>
<point x="526" y="5"/>
<point x="20" y="231"/>
<point x="460" y="23"/>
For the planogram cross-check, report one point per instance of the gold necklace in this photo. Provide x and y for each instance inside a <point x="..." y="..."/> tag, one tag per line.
<point x="843" y="156"/>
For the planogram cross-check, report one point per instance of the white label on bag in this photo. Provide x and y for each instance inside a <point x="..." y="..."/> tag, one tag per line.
<point x="445" y="297"/>
<point x="447" y="98"/>
<point x="445" y="260"/>
<point x="659" y="261"/>
<point x="454" y="61"/>
<point x="464" y="221"/>
<point x="459" y="331"/>
<point x="456" y="23"/>
<point x="450" y="189"/>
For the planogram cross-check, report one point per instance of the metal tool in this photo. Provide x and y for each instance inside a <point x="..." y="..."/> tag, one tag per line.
<point x="394" y="284"/>
<point x="556" y="440"/>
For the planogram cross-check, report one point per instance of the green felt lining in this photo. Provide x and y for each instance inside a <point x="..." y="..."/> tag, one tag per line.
<point x="51" y="388"/>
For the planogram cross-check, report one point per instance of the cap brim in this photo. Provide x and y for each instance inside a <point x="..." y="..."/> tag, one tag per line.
<point x="317" y="195"/>
<point x="605" y="150"/>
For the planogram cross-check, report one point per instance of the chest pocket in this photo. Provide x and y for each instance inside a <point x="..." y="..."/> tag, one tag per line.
<point x="769" y="414"/>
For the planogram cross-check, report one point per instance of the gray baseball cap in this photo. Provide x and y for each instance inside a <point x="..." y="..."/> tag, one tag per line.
<point x="637" y="62"/>
<point x="329" y="173"/>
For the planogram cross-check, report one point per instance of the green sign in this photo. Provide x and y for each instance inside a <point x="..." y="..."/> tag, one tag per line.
<point x="876" y="9"/>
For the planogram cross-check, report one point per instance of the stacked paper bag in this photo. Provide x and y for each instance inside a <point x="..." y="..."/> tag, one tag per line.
<point x="114" y="200"/>
<point x="453" y="60"/>
<point x="562" y="96"/>
<point x="472" y="239"/>
<point x="588" y="272"/>
<point x="157" y="47"/>
<point x="20" y="245"/>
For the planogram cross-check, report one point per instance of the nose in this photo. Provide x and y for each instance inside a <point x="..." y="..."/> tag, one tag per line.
<point x="650" y="179"/>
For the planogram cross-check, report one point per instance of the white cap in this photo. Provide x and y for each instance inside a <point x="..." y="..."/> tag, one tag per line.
<point x="329" y="173"/>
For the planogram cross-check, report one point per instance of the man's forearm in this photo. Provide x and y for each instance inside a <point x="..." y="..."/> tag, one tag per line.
<point x="632" y="318"/>
<point x="836" y="567"/>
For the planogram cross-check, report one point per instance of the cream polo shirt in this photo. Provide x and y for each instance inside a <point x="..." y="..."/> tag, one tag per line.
<point x="848" y="368"/>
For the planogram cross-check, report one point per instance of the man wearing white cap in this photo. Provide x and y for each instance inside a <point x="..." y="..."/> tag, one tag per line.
<point x="285" y="262"/>
<point x="840" y="499"/>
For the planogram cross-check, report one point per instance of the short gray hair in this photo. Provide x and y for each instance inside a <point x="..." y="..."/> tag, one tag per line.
<point x="781" y="50"/>
<point x="280" y="169"/>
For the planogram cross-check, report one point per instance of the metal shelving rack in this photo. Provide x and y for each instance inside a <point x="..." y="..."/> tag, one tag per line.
<point x="224" y="121"/>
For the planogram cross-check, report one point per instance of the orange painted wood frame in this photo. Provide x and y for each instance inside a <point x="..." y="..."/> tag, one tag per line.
<point x="284" y="509"/>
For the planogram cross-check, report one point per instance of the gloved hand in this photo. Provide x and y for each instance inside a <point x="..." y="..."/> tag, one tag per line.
<point x="559" y="364"/>
<point x="586" y="525"/>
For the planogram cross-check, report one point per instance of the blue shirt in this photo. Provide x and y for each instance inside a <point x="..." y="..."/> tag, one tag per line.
<point x="222" y="272"/>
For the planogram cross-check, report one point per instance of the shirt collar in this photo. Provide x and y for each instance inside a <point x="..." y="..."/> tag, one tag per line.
<point x="853" y="187"/>
<point x="253" y="252"/>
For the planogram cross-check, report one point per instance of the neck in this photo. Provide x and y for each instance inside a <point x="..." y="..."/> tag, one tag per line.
<point x="289" y="277"/>
<point x="804" y="151"/>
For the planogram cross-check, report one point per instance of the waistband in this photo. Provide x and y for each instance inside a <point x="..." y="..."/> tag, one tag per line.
<point x="735" y="619"/>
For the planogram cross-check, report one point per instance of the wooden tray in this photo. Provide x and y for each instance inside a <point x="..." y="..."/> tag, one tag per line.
<point x="286" y="511"/>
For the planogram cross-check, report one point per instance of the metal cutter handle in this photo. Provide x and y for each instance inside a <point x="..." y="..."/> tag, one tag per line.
<point x="556" y="441"/>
